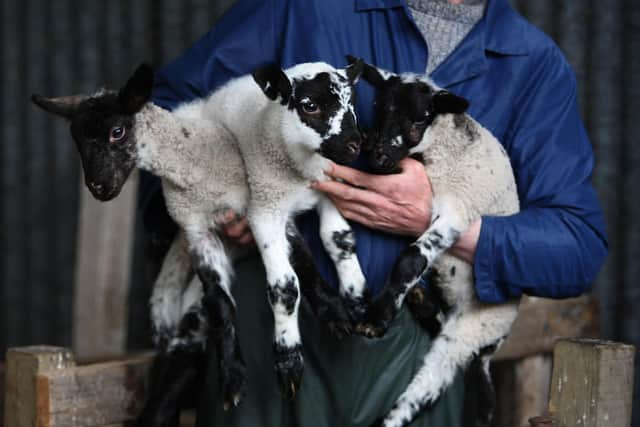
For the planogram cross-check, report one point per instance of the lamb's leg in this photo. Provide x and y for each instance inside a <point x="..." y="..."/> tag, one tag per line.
<point x="178" y="333"/>
<point x="166" y="298"/>
<point x="463" y="337"/>
<point x="426" y="305"/>
<point x="214" y="270"/>
<point x="172" y="374"/>
<point x="339" y="241"/>
<point x="323" y="299"/>
<point x="283" y="291"/>
<point x="482" y="377"/>
<point x="412" y="263"/>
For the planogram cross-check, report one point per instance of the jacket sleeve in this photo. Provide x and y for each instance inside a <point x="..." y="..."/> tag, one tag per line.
<point x="244" y="38"/>
<point x="557" y="243"/>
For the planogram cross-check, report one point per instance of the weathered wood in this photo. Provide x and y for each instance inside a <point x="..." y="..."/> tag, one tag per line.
<point x="530" y="396"/>
<point x="541" y="322"/>
<point x="105" y="244"/>
<point x="24" y="398"/>
<point x="592" y="383"/>
<point x="95" y="395"/>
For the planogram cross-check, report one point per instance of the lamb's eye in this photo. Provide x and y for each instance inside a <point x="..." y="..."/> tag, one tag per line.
<point x="420" y="123"/>
<point x="309" y="107"/>
<point x="117" y="133"/>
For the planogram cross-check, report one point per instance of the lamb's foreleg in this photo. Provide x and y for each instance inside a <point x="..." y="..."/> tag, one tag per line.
<point x="339" y="240"/>
<point x="283" y="291"/>
<point x="214" y="270"/>
<point x="478" y="332"/>
<point x="413" y="262"/>
<point x="324" y="300"/>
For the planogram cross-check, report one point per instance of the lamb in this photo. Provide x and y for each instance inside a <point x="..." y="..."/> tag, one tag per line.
<point x="471" y="176"/>
<point x="211" y="154"/>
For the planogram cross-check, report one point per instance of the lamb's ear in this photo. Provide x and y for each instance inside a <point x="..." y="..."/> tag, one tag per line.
<point x="65" y="106"/>
<point x="273" y="82"/>
<point x="355" y="69"/>
<point x="374" y="75"/>
<point x="137" y="91"/>
<point x="446" y="102"/>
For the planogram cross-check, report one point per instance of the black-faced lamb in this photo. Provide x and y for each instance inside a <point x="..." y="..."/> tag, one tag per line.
<point x="471" y="176"/>
<point x="211" y="154"/>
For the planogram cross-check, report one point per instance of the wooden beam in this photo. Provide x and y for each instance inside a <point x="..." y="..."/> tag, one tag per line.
<point x="592" y="383"/>
<point x="541" y="322"/>
<point x="103" y="265"/>
<point x="95" y="395"/>
<point x="24" y="397"/>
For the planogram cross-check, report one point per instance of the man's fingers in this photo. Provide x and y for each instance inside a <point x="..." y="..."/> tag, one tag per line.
<point x="350" y="175"/>
<point x="237" y="229"/>
<point x="347" y="192"/>
<point x="246" y="239"/>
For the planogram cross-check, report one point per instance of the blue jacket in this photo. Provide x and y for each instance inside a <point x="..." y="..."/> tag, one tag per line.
<point x="519" y="85"/>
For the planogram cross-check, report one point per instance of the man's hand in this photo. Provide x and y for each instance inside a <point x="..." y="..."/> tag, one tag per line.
<point x="398" y="203"/>
<point x="236" y="228"/>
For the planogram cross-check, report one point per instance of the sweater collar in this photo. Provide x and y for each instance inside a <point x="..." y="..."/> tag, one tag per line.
<point x="501" y="31"/>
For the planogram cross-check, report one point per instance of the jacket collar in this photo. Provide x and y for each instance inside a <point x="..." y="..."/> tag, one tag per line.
<point x="500" y="31"/>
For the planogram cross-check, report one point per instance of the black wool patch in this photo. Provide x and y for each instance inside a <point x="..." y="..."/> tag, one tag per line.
<point x="465" y="124"/>
<point x="345" y="241"/>
<point x="409" y="266"/>
<point x="322" y="93"/>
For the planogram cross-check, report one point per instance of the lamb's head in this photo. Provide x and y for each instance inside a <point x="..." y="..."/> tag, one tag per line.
<point x="406" y="105"/>
<point x="319" y="100"/>
<point x="102" y="128"/>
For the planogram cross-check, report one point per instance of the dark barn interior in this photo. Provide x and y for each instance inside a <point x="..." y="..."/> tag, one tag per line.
<point x="67" y="46"/>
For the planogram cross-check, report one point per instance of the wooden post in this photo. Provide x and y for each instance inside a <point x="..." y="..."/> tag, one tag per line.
<point x="592" y="383"/>
<point x="531" y="388"/>
<point x="25" y="397"/>
<point x="103" y="264"/>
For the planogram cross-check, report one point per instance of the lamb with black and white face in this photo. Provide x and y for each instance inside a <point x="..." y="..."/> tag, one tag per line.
<point x="470" y="177"/>
<point x="406" y="105"/>
<point x="235" y="149"/>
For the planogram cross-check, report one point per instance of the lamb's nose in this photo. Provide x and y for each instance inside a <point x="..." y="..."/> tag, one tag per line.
<point x="94" y="186"/>
<point x="384" y="161"/>
<point x="353" y="147"/>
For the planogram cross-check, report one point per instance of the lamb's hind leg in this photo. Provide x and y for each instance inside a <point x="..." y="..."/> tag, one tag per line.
<point x="214" y="270"/>
<point x="339" y="241"/>
<point x="412" y="263"/>
<point x="179" y="333"/>
<point x="463" y="338"/>
<point x="323" y="299"/>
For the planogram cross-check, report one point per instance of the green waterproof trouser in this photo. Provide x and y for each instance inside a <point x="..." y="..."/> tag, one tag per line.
<point x="346" y="383"/>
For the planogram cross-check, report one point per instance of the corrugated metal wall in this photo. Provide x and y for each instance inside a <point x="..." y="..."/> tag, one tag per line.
<point x="64" y="46"/>
<point x="61" y="47"/>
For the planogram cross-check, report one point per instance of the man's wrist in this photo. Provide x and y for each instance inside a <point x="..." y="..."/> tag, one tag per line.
<point x="465" y="246"/>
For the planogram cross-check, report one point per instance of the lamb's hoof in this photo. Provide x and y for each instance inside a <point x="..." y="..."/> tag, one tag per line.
<point x="376" y="320"/>
<point x="336" y="318"/>
<point x="357" y="307"/>
<point x="370" y="330"/>
<point x="417" y="295"/>
<point x="424" y="309"/>
<point x="158" y="420"/>
<point x="234" y="384"/>
<point x="289" y="366"/>
<point x="340" y="328"/>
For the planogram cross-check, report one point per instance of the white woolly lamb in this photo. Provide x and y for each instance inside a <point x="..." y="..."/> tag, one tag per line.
<point x="201" y="151"/>
<point x="471" y="176"/>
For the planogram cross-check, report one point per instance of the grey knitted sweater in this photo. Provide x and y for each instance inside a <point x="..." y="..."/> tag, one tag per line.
<point x="443" y="25"/>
